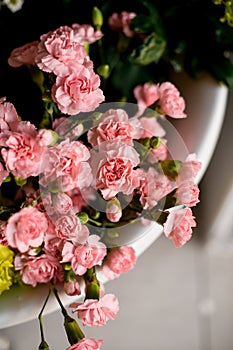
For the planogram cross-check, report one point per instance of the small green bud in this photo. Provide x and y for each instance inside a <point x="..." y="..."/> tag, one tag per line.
<point x="113" y="210"/>
<point x="103" y="71"/>
<point x="112" y="234"/>
<point x="73" y="331"/>
<point x="67" y="267"/>
<point x="145" y="142"/>
<point x="97" y="17"/>
<point x="170" y="168"/>
<point x="19" y="181"/>
<point x="83" y="217"/>
<point x="43" y="345"/>
<point x="55" y="137"/>
<point x="155" y="142"/>
<point x="7" y="179"/>
<point x="92" y="284"/>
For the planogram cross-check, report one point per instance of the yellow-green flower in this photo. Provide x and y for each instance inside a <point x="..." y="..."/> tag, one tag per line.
<point x="228" y="15"/>
<point x="6" y="268"/>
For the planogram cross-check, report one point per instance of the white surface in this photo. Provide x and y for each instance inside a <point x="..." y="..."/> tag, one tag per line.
<point x="217" y="191"/>
<point x="200" y="132"/>
<point x="174" y="299"/>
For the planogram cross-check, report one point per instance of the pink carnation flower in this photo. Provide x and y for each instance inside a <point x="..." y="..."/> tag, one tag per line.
<point x="8" y="115"/>
<point x="121" y="22"/>
<point x="62" y="203"/>
<point x="85" y="33"/>
<point x="153" y="187"/>
<point x="189" y="169"/>
<point x="26" y="229"/>
<point x="114" y="168"/>
<point x="97" y="312"/>
<point x="24" y="54"/>
<point x="113" y="210"/>
<point x="187" y="193"/>
<point x="178" y="226"/>
<point x="39" y="269"/>
<point x="65" y="126"/>
<point x="72" y="288"/>
<point x="80" y="198"/>
<point x="23" y="150"/>
<point x="78" y="91"/>
<point x="151" y="127"/>
<point x="119" y="260"/>
<point x="58" y="50"/>
<point x="170" y="102"/>
<point x="53" y="245"/>
<point x="66" y="164"/>
<point x="115" y="125"/>
<point x="86" y="344"/>
<point x="146" y="95"/>
<point x="84" y="256"/>
<point x="69" y="227"/>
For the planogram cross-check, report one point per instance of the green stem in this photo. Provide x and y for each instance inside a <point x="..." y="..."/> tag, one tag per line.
<point x="64" y="312"/>
<point x="40" y="317"/>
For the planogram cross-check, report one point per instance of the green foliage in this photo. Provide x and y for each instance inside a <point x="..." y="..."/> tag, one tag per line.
<point x="150" y="51"/>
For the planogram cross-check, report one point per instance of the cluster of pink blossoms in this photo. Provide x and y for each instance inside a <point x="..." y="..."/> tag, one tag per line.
<point x="62" y="53"/>
<point x="50" y="239"/>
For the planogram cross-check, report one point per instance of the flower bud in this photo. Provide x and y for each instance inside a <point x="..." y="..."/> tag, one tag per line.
<point x="103" y="71"/>
<point x="170" y="168"/>
<point x="73" y="331"/>
<point x="155" y="142"/>
<point x="43" y="345"/>
<point x="97" y="17"/>
<point x="20" y="181"/>
<point x="113" y="210"/>
<point x="83" y="217"/>
<point x="92" y="288"/>
<point x="145" y="142"/>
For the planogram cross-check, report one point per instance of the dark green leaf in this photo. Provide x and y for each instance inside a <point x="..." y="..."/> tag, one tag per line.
<point x="150" y="51"/>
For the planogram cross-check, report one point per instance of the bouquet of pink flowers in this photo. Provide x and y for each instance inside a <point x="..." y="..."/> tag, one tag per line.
<point x="89" y="167"/>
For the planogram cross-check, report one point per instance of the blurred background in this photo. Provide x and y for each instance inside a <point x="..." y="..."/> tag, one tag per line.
<point x="174" y="299"/>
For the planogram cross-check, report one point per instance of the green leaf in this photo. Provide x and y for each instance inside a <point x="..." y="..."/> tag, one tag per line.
<point x="150" y="51"/>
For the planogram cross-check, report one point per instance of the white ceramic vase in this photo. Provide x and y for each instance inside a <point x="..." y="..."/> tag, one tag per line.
<point x="206" y="102"/>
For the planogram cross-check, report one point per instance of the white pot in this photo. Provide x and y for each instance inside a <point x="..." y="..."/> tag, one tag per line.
<point x="206" y="103"/>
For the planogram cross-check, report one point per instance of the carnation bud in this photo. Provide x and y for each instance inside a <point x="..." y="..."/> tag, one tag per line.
<point x="103" y="71"/>
<point x="19" y="181"/>
<point x="97" y="17"/>
<point x="170" y="168"/>
<point x="73" y="331"/>
<point x="145" y="142"/>
<point x="113" y="210"/>
<point x="155" y="142"/>
<point x="43" y="345"/>
<point x="54" y="137"/>
<point x="83" y="217"/>
<point x="92" y="288"/>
